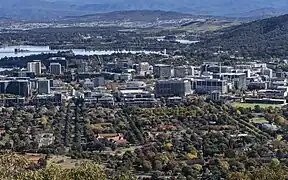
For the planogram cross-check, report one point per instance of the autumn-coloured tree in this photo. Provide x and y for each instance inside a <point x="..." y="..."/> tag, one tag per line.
<point x="16" y="167"/>
<point x="273" y="172"/>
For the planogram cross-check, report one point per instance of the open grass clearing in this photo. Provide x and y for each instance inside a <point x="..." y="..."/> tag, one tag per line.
<point x="252" y="105"/>
<point x="259" y="120"/>
<point x="65" y="162"/>
<point x="121" y="152"/>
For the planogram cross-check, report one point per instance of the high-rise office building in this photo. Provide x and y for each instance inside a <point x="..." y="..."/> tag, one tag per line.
<point x="35" y="67"/>
<point x="143" y="68"/>
<point x="207" y="85"/>
<point x="20" y="74"/>
<point x="162" y="71"/>
<point x="61" y="60"/>
<point x="55" y="68"/>
<point x="173" y="87"/>
<point x="43" y="86"/>
<point x="15" y="87"/>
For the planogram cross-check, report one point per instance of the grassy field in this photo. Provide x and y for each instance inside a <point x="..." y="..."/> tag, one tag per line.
<point x="250" y="105"/>
<point x="207" y="26"/>
<point x="65" y="162"/>
<point x="122" y="151"/>
<point x="259" y="120"/>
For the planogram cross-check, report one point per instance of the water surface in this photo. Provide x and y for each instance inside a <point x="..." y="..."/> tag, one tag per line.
<point x="9" y="51"/>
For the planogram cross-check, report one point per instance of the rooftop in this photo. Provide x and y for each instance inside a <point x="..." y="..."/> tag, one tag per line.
<point x="162" y="65"/>
<point x="132" y="91"/>
<point x="172" y="81"/>
<point x="235" y="74"/>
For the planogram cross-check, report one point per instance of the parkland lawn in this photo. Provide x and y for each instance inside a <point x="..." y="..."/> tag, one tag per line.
<point x="252" y="105"/>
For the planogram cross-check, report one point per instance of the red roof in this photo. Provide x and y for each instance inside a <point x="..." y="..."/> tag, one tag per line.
<point x="118" y="139"/>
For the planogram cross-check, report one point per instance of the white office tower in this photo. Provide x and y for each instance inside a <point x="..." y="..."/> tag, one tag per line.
<point x="143" y="68"/>
<point x="43" y="86"/>
<point x="35" y="67"/>
<point x="55" y="68"/>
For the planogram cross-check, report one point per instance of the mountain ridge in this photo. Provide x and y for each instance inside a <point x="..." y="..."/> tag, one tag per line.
<point x="133" y="15"/>
<point x="53" y="9"/>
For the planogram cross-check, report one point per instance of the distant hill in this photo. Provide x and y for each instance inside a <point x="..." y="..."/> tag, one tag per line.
<point x="263" y="38"/>
<point x="134" y="15"/>
<point x="53" y="9"/>
<point x="259" y="13"/>
<point x="196" y="7"/>
<point x="35" y="9"/>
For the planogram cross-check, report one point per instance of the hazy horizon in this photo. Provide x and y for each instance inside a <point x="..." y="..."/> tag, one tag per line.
<point x="47" y="9"/>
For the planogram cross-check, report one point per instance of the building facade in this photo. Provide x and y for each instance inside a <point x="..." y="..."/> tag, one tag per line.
<point x="162" y="71"/>
<point x="55" y="68"/>
<point x="43" y="86"/>
<point x="207" y="85"/>
<point x="143" y="69"/>
<point x="238" y="80"/>
<point x="35" y="67"/>
<point x="61" y="60"/>
<point x="180" y="71"/>
<point x="173" y="87"/>
<point x="15" y="87"/>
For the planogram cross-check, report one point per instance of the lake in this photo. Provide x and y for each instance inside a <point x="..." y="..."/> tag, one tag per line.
<point x="8" y="51"/>
<point x="181" y="41"/>
<point x="184" y="41"/>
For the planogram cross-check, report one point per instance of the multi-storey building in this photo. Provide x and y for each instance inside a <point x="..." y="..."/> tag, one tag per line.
<point x="43" y="86"/>
<point x="143" y="69"/>
<point x="35" y="67"/>
<point x="238" y="80"/>
<point x="208" y="85"/>
<point x="162" y="71"/>
<point x="172" y="87"/>
<point x="55" y="68"/>
<point x="15" y="87"/>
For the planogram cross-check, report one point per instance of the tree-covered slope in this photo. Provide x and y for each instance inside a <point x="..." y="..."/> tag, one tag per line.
<point x="264" y="38"/>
